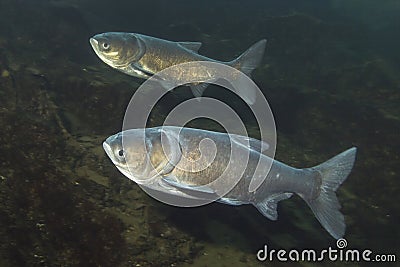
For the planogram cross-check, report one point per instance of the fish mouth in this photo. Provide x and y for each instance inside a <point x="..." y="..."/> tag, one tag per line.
<point x="122" y="168"/>
<point x="103" y="56"/>
<point x="94" y="42"/>
<point x="110" y="154"/>
<point x="96" y="47"/>
<point x="107" y="149"/>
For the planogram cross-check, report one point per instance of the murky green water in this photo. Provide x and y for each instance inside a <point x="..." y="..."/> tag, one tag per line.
<point x="330" y="73"/>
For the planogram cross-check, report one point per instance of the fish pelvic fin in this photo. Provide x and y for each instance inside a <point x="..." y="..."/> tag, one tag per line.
<point x="325" y="205"/>
<point x="198" y="89"/>
<point x="250" y="59"/>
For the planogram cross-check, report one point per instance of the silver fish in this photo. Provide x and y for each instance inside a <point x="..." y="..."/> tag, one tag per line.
<point x="144" y="160"/>
<point x="142" y="56"/>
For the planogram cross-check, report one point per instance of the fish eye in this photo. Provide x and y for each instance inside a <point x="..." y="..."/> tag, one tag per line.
<point x="106" y="46"/>
<point x="121" y="153"/>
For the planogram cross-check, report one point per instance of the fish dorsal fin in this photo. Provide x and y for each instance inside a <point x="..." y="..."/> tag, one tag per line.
<point x="251" y="143"/>
<point x="193" y="46"/>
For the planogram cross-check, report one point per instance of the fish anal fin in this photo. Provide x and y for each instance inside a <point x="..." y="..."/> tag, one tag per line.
<point x="268" y="206"/>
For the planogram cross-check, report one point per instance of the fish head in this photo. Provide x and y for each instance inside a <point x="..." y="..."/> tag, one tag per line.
<point x="118" y="49"/>
<point x="140" y="155"/>
<point x="129" y="152"/>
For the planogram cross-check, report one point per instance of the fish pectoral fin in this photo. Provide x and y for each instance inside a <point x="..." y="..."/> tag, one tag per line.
<point x="201" y="188"/>
<point x="192" y="46"/>
<point x="138" y="71"/>
<point x="198" y="89"/>
<point x="231" y="201"/>
<point x="268" y="206"/>
<point x="251" y="143"/>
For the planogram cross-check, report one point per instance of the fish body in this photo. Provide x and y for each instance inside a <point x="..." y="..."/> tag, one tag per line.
<point x="143" y="56"/>
<point x="176" y="168"/>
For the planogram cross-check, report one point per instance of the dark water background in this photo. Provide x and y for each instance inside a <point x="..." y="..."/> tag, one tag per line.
<point x="330" y="73"/>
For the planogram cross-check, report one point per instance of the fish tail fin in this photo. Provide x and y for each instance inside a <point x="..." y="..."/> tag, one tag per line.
<point x="326" y="206"/>
<point x="250" y="59"/>
<point x="246" y="63"/>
